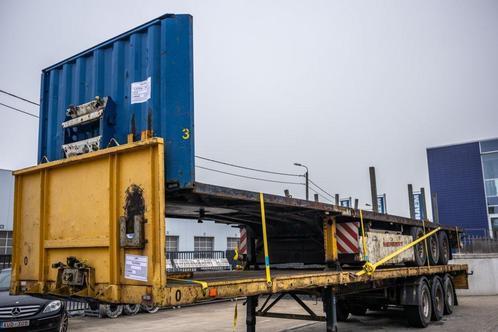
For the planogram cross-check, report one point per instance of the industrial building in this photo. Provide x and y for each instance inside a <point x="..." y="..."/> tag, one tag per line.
<point x="6" y="211"/>
<point x="190" y="235"/>
<point x="464" y="185"/>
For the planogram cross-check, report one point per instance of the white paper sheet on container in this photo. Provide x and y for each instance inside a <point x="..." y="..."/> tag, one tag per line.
<point x="140" y="91"/>
<point x="136" y="267"/>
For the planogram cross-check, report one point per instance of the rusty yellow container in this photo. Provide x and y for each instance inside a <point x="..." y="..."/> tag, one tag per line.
<point x="92" y="225"/>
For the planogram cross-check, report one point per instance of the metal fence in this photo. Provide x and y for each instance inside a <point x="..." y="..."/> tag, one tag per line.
<point x="194" y="254"/>
<point x="75" y="308"/>
<point x="191" y="261"/>
<point x="479" y="245"/>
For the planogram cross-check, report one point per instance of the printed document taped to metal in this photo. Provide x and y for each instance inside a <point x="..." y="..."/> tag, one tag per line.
<point x="140" y="91"/>
<point x="136" y="267"/>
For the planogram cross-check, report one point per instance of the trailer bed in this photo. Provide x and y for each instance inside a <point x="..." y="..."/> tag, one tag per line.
<point x="231" y="284"/>
<point x="236" y="206"/>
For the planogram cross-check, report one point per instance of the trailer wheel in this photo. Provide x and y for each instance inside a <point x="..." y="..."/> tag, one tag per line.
<point x="131" y="309"/>
<point x="437" y="293"/>
<point x="433" y="247"/>
<point x="111" y="310"/>
<point x="419" y="249"/>
<point x="444" y="248"/>
<point x="449" y="295"/>
<point x="358" y="310"/>
<point x="420" y="315"/>
<point x="151" y="309"/>
<point x="342" y="311"/>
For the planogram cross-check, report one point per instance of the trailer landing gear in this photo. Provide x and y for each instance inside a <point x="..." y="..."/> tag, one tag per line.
<point x="329" y="307"/>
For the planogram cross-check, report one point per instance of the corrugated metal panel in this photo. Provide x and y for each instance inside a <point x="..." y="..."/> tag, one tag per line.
<point x="455" y="174"/>
<point x="160" y="49"/>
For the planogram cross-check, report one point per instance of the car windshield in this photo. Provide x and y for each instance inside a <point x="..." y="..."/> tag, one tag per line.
<point x="5" y="279"/>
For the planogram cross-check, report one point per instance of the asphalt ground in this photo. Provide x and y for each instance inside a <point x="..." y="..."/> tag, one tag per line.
<point x="476" y="314"/>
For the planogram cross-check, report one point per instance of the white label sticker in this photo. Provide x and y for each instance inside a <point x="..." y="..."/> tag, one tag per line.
<point x="140" y="91"/>
<point x="136" y="267"/>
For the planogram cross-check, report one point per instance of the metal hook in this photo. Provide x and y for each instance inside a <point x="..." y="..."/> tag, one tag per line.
<point x="111" y="141"/>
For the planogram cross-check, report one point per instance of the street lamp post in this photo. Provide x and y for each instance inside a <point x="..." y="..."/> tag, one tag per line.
<point x="306" y="176"/>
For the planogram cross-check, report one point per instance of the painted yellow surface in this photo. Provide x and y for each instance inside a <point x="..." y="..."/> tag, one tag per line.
<point x="72" y="208"/>
<point x="330" y="240"/>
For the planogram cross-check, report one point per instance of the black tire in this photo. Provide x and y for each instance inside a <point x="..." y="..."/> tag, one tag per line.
<point x="419" y="249"/>
<point x="131" y="309"/>
<point x="358" y="310"/>
<point x="342" y="311"/>
<point x="149" y="308"/>
<point x="434" y="250"/>
<point x="64" y="324"/>
<point x="437" y="299"/>
<point x="449" y="295"/>
<point x="444" y="248"/>
<point x="420" y="315"/>
<point x="111" y="310"/>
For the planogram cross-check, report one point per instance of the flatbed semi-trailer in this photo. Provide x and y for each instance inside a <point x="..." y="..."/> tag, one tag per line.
<point x="92" y="227"/>
<point x="116" y="156"/>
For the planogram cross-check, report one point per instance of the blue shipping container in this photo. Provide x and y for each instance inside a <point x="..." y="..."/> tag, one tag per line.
<point x="147" y="73"/>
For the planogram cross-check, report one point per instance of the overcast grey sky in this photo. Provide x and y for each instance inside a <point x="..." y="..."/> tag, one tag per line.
<point x="336" y="85"/>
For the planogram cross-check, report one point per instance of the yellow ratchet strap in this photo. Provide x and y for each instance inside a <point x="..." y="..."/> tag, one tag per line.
<point x="369" y="268"/>
<point x="364" y="240"/>
<point x="235" y="315"/>
<point x="203" y="284"/>
<point x="265" y="240"/>
<point x="236" y="255"/>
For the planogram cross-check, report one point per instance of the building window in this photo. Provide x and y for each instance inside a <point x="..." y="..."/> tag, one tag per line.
<point x="172" y="243"/>
<point x="492" y="187"/>
<point x="490" y="168"/>
<point x="5" y="242"/>
<point x="232" y="243"/>
<point x="489" y="146"/>
<point x="203" y="243"/>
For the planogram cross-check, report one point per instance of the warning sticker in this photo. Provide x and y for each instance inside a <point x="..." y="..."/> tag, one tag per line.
<point x="140" y="91"/>
<point x="136" y="267"/>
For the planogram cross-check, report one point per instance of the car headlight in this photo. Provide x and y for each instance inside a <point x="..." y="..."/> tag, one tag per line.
<point x="53" y="306"/>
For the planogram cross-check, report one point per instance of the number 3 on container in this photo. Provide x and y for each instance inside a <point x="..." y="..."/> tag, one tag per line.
<point x="186" y="133"/>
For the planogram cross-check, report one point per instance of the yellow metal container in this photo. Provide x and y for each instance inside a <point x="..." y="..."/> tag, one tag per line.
<point x="105" y="209"/>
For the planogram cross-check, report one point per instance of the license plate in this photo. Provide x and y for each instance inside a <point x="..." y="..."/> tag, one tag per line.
<point x="13" y="324"/>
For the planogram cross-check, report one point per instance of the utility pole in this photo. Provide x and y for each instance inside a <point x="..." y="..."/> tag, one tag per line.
<point x="435" y="209"/>
<point x="306" y="176"/>
<point x="423" y="203"/>
<point x="373" y="189"/>
<point x="410" y="201"/>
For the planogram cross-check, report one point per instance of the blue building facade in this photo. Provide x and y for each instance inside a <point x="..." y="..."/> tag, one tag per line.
<point x="464" y="183"/>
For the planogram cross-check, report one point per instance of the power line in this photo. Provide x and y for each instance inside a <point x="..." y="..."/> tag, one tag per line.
<point x="18" y="110"/>
<point x="248" y="177"/>
<point x="248" y="168"/>
<point x="323" y="190"/>
<point x="316" y="192"/>
<point x="268" y="172"/>
<point x="21" y="98"/>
